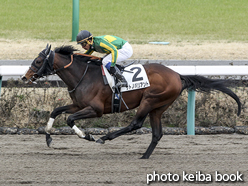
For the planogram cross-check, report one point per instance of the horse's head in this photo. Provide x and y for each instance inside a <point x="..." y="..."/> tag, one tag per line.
<point x="41" y="65"/>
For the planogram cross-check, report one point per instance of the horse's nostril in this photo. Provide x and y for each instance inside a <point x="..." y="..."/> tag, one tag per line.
<point x="24" y="78"/>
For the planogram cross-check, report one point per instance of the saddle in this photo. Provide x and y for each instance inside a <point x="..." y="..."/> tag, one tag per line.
<point x="116" y="92"/>
<point x="135" y="75"/>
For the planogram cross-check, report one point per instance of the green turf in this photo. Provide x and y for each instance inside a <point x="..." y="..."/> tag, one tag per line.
<point x="138" y="21"/>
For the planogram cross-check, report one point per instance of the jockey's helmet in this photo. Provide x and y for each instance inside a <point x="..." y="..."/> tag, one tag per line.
<point x="83" y="36"/>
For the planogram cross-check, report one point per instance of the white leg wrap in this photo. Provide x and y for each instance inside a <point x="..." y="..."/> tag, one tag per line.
<point x="49" y="125"/>
<point x="78" y="131"/>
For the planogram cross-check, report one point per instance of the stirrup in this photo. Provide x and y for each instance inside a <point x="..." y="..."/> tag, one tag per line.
<point x="121" y="84"/>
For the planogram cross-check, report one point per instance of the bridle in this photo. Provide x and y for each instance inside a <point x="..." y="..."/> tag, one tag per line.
<point x="47" y="66"/>
<point x="48" y="69"/>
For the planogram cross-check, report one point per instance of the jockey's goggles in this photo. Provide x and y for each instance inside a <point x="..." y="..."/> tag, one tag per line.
<point x="85" y="41"/>
<point x="83" y="44"/>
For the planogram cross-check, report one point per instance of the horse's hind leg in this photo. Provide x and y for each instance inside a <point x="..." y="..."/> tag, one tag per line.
<point x="136" y="123"/>
<point x="155" y="121"/>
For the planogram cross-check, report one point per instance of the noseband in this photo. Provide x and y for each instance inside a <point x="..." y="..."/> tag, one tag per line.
<point x="45" y="69"/>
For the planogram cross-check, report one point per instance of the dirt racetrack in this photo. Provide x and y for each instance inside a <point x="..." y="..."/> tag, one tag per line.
<point x="26" y="160"/>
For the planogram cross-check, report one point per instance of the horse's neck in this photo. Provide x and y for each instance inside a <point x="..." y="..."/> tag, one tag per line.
<point x="73" y="70"/>
<point x="70" y="71"/>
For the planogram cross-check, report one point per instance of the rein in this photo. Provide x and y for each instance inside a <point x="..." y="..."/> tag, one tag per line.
<point x="70" y="91"/>
<point x="92" y="58"/>
<point x="48" y="62"/>
<point x="66" y="66"/>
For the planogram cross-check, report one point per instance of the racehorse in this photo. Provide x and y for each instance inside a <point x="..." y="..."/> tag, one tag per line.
<point x="92" y="98"/>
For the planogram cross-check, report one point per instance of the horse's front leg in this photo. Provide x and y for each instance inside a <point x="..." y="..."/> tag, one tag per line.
<point x="87" y="112"/>
<point x="65" y="109"/>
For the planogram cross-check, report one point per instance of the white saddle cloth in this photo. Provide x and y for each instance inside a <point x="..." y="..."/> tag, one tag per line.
<point x="135" y="75"/>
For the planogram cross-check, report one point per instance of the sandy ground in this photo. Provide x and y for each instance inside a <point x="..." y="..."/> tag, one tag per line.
<point x="26" y="160"/>
<point x="196" y="50"/>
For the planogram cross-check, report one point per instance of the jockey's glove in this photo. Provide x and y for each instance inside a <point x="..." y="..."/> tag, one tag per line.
<point x="112" y="70"/>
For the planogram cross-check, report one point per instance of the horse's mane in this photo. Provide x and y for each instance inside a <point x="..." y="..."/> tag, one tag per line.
<point x="68" y="51"/>
<point x="65" y="50"/>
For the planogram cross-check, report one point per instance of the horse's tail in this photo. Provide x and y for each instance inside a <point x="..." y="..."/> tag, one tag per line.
<point x="203" y="84"/>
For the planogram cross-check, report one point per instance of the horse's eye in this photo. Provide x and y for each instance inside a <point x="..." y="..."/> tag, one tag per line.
<point x="38" y="62"/>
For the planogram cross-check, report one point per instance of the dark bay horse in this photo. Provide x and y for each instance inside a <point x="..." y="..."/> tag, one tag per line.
<point x="91" y="98"/>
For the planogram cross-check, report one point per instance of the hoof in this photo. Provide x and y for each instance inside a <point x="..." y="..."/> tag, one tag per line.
<point x="89" y="137"/>
<point x="48" y="140"/>
<point x="144" y="157"/>
<point x="100" y="141"/>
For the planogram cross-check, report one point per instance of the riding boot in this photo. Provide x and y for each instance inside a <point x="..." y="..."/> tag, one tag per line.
<point x="121" y="79"/>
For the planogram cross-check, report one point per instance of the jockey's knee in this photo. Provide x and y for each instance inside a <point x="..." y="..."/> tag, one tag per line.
<point x="108" y="65"/>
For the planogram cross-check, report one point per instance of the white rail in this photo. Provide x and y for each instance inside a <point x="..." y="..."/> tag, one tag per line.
<point x="17" y="71"/>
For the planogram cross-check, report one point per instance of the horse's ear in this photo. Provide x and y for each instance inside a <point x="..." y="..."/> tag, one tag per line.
<point x="48" y="48"/>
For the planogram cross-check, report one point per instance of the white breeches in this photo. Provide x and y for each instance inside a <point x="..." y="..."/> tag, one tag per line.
<point x="124" y="53"/>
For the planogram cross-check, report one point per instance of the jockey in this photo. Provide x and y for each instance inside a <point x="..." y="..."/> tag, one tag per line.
<point x="117" y="50"/>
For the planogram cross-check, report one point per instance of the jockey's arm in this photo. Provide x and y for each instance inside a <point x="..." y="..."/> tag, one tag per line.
<point x="110" y="49"/>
